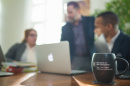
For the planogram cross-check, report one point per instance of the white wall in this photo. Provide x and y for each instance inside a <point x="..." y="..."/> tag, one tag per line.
<point x="14" y="21"/>
<point x="0" y="21"/>
<point x="97" y="4"/>
<point x="66" y="1"/>
<point x="16" y="18"/>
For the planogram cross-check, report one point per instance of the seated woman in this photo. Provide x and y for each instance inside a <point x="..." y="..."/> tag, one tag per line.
<point x="25" y="51"/>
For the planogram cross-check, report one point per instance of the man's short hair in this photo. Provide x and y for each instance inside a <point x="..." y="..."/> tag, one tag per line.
<point x="75" y="4"/>
<point x="109" y="18"/>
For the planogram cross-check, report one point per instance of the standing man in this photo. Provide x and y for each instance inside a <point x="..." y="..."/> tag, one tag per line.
<point x="79" y="31"/>
<point x="117" y="41"/>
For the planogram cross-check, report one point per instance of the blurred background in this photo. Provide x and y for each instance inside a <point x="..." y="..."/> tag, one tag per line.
<point x="48" y="16"/>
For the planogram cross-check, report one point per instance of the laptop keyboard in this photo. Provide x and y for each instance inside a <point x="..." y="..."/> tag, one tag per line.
<point x="128" y="73"/>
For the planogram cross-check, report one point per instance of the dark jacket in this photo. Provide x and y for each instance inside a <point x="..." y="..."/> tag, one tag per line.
<point x="121" y="49"/>
<point x="15" y="52"/>
<point x="88" y="25"/>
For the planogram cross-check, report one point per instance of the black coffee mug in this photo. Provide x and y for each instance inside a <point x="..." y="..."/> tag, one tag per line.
<point x="104" y="67"/>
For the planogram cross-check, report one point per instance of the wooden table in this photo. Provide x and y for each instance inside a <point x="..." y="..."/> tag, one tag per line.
<point x="44" y="79"/>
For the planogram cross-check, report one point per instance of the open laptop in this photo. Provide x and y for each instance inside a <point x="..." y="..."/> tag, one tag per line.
<point x="125" y="76"/>
<point x="101" y="45"/>
<point x="2" y="59"/>
<point x="55" y="58"/>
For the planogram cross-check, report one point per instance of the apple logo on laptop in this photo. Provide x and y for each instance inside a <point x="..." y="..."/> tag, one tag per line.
<point x="50" y="57"/>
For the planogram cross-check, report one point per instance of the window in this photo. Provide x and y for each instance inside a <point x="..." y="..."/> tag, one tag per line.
<point x="47" y="20"/>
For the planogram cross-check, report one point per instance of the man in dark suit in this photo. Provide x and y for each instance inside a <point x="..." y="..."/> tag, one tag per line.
<point x="79" y="31"/>
<point x="117" y="41"/>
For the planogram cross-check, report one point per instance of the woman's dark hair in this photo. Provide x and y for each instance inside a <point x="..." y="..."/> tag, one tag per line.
<point x="26" y="34"/>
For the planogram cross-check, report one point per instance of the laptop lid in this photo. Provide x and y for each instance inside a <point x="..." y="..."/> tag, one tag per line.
<point x="2" y="58"/>
<point x="54" y="58"/>
<point x="101" y="45"/>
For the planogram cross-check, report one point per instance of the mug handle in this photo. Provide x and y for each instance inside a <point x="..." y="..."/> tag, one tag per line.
<point x="127" y="66"/>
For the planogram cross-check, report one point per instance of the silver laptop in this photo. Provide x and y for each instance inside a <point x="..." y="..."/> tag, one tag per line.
<point x="101" y="45"/>
<point x="55" y="58"/>
<point x="2" y="59"/>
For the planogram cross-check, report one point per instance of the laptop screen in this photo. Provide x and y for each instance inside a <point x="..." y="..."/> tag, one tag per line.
<point x="101" y="45"/>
